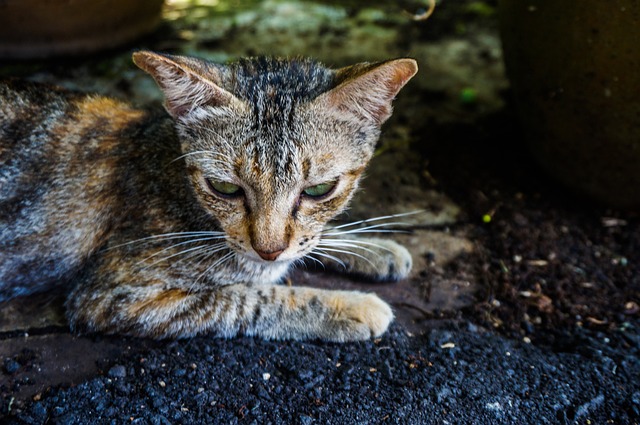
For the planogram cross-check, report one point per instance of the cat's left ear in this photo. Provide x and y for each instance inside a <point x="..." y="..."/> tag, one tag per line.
<point x="367" y="90"/>
<point x="187" y="83"/>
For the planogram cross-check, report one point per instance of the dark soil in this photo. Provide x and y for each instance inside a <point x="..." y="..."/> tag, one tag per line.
<point x="452" y="374"/>
<point x="551" y="264"/>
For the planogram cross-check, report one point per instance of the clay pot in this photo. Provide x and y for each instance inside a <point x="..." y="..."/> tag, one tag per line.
<point x="45" y="28"/>
<point x="574" y="67"/>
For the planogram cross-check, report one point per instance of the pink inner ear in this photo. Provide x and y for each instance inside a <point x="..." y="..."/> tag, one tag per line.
<point x="183" y="85"/>
<point x="185" y="90"/>
<point x="369" y="95"/>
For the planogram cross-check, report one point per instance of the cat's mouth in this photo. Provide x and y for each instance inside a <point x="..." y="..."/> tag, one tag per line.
<point x="285" y="256"/>
<point x="253" y="255"/>
<point x="272" y="253"/>
<point x="265" y="257"/>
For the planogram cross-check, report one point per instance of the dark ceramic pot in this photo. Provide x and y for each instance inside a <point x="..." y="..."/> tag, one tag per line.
<point x="45" y="28"/>
<point x="574" y="67"/>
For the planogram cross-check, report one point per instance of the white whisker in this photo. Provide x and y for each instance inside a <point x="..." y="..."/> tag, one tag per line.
<point x="313" y="258"/>
<point x="347" y="245"/>
<point x="369" y="220"/>
<point x="207" y="251"/>
<point x="356" y="242"/>
<point x="171" y="236"/>
<point x="368" y="229"/>
<point x="206" y="256"/>
<point x="169" y="248"/>
<point x="350" y="253"/>
<point x="320" y="252"/>
<point x="185" y="251"/>
<point x="217" y="263"/>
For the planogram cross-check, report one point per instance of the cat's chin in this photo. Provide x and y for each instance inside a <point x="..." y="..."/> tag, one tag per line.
<point x="265" y="271"/>
<point x="254" y="259"/>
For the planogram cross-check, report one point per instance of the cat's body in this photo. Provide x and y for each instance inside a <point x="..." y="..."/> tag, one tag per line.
<point x="172" y="225"/>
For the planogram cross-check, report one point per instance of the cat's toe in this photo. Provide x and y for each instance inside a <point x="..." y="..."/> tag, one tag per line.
<point x="395" y="263"/>
<point x="374" y="313"/>
<point x="379" y="260"/>
<point x="361" y="316"/>
<point x="399" y="265"/>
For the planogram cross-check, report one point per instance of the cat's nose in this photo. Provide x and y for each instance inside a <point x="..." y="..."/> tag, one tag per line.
<point x="269" y="255"/>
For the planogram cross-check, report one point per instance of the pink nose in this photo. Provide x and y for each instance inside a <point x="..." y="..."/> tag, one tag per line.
<point x="269" y="255"/>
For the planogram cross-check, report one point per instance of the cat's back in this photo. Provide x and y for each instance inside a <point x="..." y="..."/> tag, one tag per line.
<point x="28" y="110"/>
<point x="24" y="100"/>
<point x="65" y="160"/>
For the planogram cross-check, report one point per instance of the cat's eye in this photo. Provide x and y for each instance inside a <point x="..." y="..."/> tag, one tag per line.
<point x="225" y="189"/>
<point x="320" y="190"/>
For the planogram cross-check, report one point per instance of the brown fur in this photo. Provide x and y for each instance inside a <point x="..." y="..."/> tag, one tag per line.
<point x="120" y="202"/>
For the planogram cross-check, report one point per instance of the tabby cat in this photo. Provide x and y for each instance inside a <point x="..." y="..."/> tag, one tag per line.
<point x="186" y="223"/>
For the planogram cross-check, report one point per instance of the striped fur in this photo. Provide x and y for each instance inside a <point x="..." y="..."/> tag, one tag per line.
<point x="117" y="203"/>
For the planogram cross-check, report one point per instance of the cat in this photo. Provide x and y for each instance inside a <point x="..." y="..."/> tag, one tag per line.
<point x="176" y="222"/>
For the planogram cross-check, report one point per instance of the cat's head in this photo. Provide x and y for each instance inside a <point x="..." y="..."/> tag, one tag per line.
<point x="275" y="148"/>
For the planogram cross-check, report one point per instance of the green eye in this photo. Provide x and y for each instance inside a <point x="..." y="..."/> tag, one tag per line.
<point x="224" y="188"/>
<point x="319" y="190"/>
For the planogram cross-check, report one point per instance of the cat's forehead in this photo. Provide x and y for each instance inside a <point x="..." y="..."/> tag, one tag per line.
<point x="274" y="132"/>
<point x="265" y="80"/>
<point x="271" y="88"/>
<point x="286" y="160"/>
<point x="273" y="98"/>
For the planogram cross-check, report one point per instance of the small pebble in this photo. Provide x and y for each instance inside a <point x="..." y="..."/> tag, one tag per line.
<point x="117" y="371"/>
<point x="305" y="420"/>
<point x="11" y="366"/>
<point x="39" y="411"/>
<point x="179" y="372"/>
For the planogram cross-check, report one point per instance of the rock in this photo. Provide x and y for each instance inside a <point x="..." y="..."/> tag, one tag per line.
<point x="11" y="366"/>
<point x="117" y="371"/>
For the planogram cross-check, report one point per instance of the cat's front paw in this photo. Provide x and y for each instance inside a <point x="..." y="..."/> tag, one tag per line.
<point x="358" y="316"/>
<point x="393" y="263"/>
<point x="381" y="260"/>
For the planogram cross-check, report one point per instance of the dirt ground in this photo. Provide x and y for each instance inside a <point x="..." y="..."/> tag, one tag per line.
<point x="523" y="305"/>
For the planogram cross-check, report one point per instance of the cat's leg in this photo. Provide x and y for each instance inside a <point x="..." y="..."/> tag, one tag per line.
<point x="269" y="311"/>
<point x="381" y="260"/>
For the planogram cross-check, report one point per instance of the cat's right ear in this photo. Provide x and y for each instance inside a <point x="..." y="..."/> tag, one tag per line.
<point x="366" y="90"/>
<point x="187" y="83"/>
